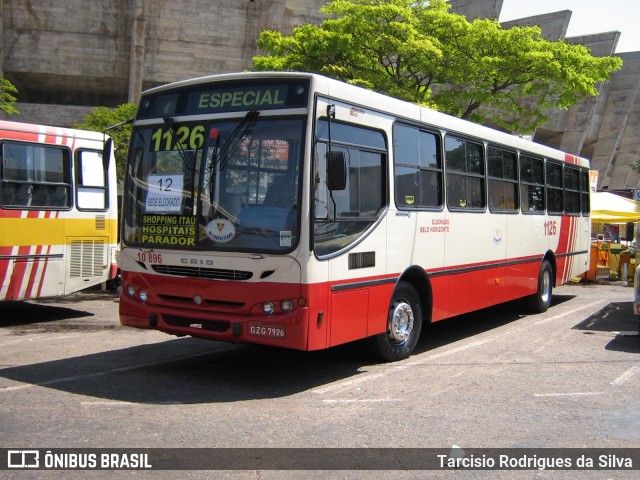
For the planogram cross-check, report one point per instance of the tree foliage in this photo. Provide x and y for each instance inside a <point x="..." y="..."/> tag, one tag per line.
<point x="7" y="97"/>
<point x="101" y="118"/>
<point x="418" y="51"/>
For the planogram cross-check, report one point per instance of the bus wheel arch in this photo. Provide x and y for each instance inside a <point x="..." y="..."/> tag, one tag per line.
<point x="407" y="307"/>
<point x="418" y="278"/>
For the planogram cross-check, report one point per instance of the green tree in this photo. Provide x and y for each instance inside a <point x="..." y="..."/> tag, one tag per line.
<point x="7" y="98"/>
<point x="101" y="118"/>
<point x="418" y="51"/>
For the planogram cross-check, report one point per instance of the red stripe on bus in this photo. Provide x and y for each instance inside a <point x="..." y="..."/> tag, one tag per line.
<point x="10" y="213"/>
<point x="4" y="267"/>
<point x="44" y="271"/>
<point x="35" y="266"/>
<point x="32" y="275"/>
<point x="17" y="276"/>
<point x="571" y="159"/>
<point x="563" y="247"/>
<point x="19" y="135"/>
<point x="45" y="263"/>
<point x="572" y="246"/>
<point x="5" y="251"/>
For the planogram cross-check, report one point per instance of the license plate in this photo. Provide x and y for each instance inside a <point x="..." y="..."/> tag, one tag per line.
<point x="271" y="330"/>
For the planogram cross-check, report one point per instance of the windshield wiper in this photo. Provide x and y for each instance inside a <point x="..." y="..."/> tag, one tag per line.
<point x="228" y="149"/>
<point x="232" y="143"/>
<point x="187" y="157"/>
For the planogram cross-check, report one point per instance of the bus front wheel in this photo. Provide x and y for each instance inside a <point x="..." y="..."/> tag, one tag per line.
<point x="541" y="301"/>
<point x="403" y="326"/>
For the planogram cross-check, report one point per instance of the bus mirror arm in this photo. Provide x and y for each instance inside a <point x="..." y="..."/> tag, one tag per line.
<point x="336" y="164"/>
<point x="106" y="153"/>
<point x="107" y="144"/>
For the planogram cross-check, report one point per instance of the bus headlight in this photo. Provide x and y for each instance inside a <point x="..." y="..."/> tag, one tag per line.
<point x="131" y="290"/>
<point x="286" y="305"/>
<point x="268" y="308"/>
<point x="143" y="295"/>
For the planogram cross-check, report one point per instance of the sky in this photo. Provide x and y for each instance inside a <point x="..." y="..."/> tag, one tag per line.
<point x="588" y="17"/>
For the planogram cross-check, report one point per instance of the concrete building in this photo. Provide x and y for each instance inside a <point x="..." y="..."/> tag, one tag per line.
<point x="67" y="57"/>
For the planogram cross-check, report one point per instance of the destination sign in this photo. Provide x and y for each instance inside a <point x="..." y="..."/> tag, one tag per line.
<point x="222" y="97"/>
<point x="242" y="99"/>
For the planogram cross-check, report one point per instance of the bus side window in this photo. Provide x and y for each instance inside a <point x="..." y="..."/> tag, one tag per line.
<point x="555" y="198"/>
<point x="585" y="202"/>
<point x="418" y="168"/>
<point x="532" y="196"/>
<point x="31" y="173"/>
<point x="465" y="174"/>
<point x="16" y="194"/>
<point x="91" y="181"/>
<point x="503" y="180"/>
<point x="15" y="191"/>
<point x="571" y="177"/>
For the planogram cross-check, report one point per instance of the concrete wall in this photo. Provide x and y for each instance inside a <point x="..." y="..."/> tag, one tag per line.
<point x="68" y="56"/>
<point x="473" y="9"/>
<point x="84" y="53"/>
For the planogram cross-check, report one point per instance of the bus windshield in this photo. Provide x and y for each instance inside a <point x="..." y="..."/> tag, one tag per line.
<point x="224" y="185"/>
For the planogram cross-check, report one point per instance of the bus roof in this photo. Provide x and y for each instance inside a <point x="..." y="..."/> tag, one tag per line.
<point x="376" y="101"/>
<point x="50" y="130"/>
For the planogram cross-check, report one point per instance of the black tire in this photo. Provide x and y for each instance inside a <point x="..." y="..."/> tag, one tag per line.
<point x="404" y="324"/>
<point x="540" y="302"/>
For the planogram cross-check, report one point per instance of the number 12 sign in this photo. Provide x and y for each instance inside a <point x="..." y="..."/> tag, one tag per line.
<point x="165" y="193"/>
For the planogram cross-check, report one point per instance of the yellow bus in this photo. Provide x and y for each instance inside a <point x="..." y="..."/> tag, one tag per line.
<point x="58" y="211"/>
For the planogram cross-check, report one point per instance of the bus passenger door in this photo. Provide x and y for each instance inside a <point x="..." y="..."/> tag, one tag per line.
<point x="349" y="231"/>
<point x="359" y="296"/>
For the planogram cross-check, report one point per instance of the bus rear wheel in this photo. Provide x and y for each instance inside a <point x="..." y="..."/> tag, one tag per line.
<point x="540" y="302"/>
<point x="403" y="326"/>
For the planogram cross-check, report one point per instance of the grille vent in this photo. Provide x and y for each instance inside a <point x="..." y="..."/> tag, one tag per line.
<point x="101" y="222"/>
<point x="197" y="272"/>
<point x="87" y="258"/>
<point x="362" y="260"/>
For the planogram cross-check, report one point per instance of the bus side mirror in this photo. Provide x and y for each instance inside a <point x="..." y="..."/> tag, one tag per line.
<point x="106" y="153"/>
<point x="337" y="171"/>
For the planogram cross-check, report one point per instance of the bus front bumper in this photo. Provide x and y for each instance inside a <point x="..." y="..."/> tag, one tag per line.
<point x="288" y="330"/>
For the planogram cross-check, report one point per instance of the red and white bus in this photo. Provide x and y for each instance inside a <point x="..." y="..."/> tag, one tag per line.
<point x="58" y="211"/>
<point x="294" y="210"/>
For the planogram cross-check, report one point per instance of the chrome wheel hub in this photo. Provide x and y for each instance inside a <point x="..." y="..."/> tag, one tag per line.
<point x="401" y="323"/>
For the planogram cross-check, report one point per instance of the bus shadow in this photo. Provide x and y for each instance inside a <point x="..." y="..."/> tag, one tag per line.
<point x="190" y="371"/>
<point x="88" y="295"/>
<point x="463" y="326"/>
<point x="193" y="371"/>
<point x="617" y="318"/>
<point x="16" y="314"/>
